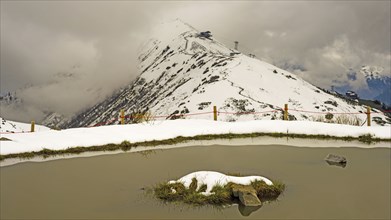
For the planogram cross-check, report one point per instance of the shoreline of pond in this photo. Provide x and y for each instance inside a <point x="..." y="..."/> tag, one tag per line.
<point x="162" y="145"/>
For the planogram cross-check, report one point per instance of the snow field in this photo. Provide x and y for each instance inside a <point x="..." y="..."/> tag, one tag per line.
<point x="160" y="130"/>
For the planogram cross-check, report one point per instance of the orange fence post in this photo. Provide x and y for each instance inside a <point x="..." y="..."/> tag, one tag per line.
<point x="215" y="113"/>
<point x="122" y="117"/>
<point x="286" y="112"/>
<point x="32" y="126"/>
<point x="368" y="116"/>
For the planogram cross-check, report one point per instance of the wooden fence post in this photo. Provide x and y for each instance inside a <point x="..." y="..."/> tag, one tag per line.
<point x="122" y="117"/>
<point x="214" y="113"/>
<point x="286" y="112"/>
<point x="368" y="116"/>
<point x="32" y="126"/>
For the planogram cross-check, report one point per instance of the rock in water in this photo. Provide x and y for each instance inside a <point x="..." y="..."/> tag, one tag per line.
<point x="247" y="195"/>
<point x="337" y="160"/>
<point x="249" y="198"/>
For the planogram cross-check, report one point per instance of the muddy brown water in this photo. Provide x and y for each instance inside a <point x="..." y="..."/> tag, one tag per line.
<point x="110" y="186"/>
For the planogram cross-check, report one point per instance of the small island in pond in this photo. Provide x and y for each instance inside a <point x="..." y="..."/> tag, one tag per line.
<point x="214" y="188"/>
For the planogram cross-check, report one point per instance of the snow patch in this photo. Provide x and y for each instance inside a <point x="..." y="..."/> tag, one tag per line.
<point x="212" y="178"/>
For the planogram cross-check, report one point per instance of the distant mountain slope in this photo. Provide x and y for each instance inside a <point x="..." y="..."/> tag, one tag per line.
<point x="183" y="71"/>
<point x="377" y="84"/>
<point x="384" y="97"/>
<point x="54" y="120"/>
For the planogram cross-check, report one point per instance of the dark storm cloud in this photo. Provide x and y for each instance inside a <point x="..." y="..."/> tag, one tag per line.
<point x="75" y="53"/>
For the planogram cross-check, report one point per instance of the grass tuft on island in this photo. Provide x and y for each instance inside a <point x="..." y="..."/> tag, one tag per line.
<point x="221" y="195"/>
<point x="126" y="145"/>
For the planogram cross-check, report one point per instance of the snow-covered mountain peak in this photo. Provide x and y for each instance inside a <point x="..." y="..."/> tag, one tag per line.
<point x="165" y="33"/>
<point x="372" y="72"/>
<point x="184" y="71"/>
<point x="177" y="37"/>
<point x="172" y="28"/>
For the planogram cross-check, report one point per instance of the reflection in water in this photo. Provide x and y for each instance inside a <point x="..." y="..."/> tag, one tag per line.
<point x="147" y="153"/>
<point x="243" y="210"/>
<point x="343" y="165"/>
<point x="247" y="210"/>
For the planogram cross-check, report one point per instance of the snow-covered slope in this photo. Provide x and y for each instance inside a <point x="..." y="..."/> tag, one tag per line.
<point x="183" y="72"/>
<point x="7" y="126"/>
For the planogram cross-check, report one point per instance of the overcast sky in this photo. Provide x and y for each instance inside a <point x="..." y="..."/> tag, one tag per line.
<point x="70" y="54"/>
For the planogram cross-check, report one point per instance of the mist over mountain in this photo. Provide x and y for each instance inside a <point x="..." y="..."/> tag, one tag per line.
<point x="64" y="93"/>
